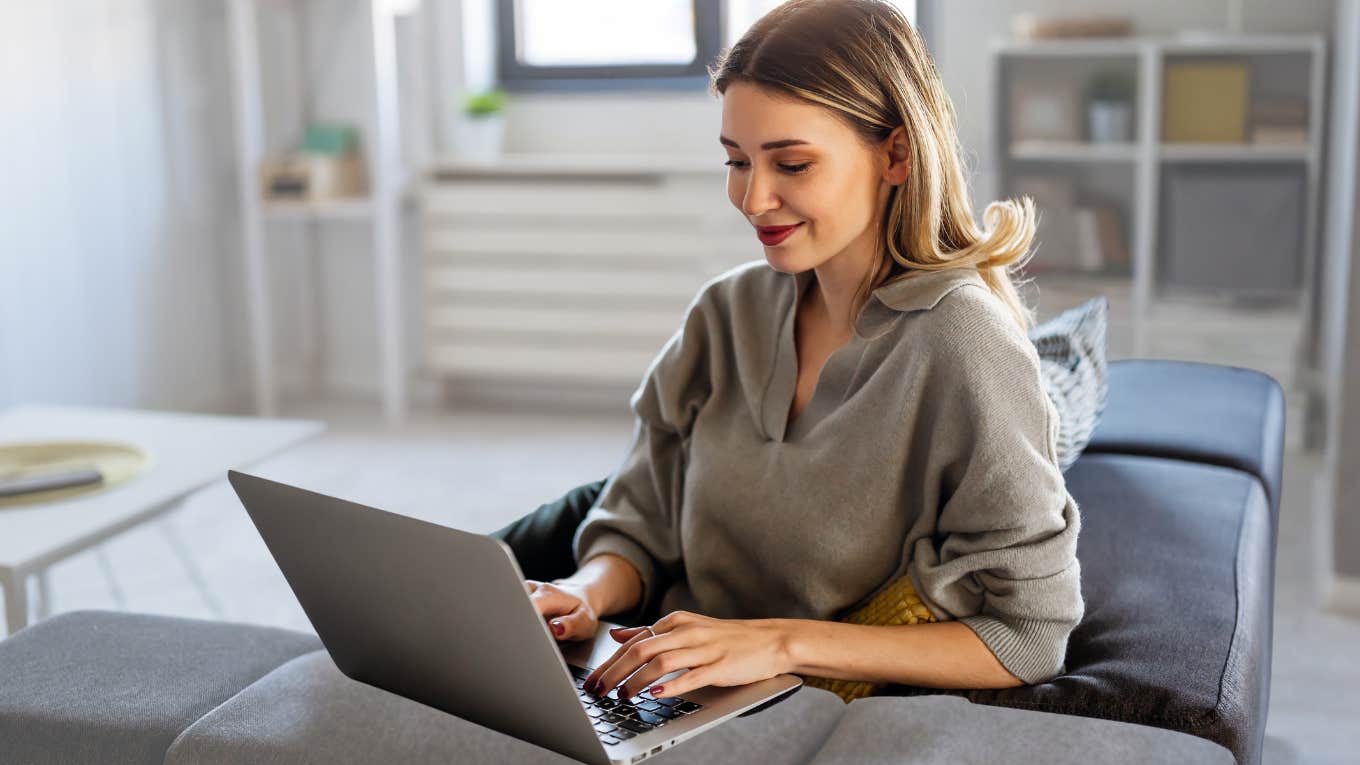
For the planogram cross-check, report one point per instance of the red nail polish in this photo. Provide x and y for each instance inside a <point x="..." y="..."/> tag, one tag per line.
<point x="558" y="628"/>
<point x="657" y="689"/>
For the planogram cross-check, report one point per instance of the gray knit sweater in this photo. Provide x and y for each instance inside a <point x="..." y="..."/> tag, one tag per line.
<point x="927" y="449"/>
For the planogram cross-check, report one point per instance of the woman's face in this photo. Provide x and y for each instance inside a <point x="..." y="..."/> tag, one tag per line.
<point x="791" y="162"/>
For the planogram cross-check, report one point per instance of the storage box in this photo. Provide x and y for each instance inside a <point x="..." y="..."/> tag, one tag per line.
<point x="312" y="178"/>
<point x="1206" y="102"/>
<point x="1233" y="230"/>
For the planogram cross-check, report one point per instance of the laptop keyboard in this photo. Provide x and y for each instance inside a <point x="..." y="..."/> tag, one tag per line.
<point x="617" y="720"/>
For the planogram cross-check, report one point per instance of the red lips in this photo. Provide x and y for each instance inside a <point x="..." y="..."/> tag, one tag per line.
<point x="772" y="235"/>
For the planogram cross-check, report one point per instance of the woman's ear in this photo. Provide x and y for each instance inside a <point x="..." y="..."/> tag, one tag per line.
<point x="898" y="155"/>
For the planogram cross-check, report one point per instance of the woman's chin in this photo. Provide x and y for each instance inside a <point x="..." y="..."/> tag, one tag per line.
<point x="780" y="259"/>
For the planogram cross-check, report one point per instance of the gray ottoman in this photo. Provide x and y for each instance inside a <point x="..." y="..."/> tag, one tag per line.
<point x="92" y="686"/>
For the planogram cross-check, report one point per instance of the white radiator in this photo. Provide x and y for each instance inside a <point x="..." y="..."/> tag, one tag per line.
<point x="570" y="274"/>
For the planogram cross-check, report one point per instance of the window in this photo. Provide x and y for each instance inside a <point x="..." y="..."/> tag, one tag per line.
<point x="616" y="44"/>
<point x="604" y="44"/>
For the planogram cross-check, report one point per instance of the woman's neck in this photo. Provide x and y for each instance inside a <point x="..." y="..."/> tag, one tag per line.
<point x="835" y="292"/>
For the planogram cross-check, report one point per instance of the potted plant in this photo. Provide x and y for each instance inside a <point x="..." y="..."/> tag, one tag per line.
<point x="1109" y="107"/>
<point x="484" y="125"/>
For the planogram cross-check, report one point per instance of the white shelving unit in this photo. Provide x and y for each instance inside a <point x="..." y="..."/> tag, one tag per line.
<point x="1147" y="154"/>
<point x="381" y="209"/>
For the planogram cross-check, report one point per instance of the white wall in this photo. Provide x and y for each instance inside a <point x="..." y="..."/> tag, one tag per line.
<point x="116" y="168"/>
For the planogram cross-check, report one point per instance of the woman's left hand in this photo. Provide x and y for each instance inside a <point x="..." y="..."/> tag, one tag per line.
<point x="721" y="652"/>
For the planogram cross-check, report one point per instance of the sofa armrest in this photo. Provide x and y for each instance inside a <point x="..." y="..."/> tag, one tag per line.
<point x="1205" y="413"/>
<point x="1175" y="568"/>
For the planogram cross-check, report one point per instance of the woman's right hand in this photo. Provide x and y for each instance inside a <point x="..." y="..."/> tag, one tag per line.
<point x="566" y="607"/>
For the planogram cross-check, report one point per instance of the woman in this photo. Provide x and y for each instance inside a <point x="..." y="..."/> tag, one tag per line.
<point x="855" y="426"/>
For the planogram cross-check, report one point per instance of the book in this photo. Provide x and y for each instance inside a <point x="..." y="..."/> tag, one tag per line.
<point x="1114" y="248"/>
<point x="1054" y="198"/>
<point x="1030" y="26"/>
<point x="1090" y="257"/>
<point x="1269" y="134"/>
<point x="32" y="483"/>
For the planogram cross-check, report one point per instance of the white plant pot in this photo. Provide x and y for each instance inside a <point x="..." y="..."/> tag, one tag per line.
<point x="482" y="138"/>
<point x="1110" y="121"/>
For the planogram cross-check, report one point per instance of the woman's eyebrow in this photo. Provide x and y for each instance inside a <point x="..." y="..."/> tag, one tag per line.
<point x="768" y="145"/>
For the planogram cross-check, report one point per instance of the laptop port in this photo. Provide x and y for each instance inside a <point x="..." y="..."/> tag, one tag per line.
<point x="655" y="749"/>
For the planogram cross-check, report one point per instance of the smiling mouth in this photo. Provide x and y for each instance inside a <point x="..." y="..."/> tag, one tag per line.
<point x="771" y="236"/>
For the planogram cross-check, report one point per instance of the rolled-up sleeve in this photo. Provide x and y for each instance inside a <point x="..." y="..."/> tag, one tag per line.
<point x="637" y="515"/>
<point x="1001" y="556"/>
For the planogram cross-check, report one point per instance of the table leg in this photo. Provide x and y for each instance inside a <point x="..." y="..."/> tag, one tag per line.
<point x="186" y="559"/>
<point x="16" y="601"/>
<point x="44" y="595"/>
<point x="102" y="558"/>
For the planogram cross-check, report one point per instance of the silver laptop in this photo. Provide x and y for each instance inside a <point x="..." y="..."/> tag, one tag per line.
<point x="441" y="616"/>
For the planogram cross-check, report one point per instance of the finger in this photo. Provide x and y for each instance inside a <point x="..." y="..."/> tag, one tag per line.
<point x="699" y="676"/>
<point x="635" y="654"/>
<point x="663" y="664"/>
<point x="551" y="601"/>
<point x="622" y="634"/>
<point x="576" y="625"/>
<point x="595" y="680"/>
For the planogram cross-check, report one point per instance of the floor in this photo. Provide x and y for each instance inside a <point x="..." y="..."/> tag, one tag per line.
<point x="477" y="470"/>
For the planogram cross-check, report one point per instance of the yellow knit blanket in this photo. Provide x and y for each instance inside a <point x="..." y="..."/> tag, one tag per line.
<point x="898" y="604"/>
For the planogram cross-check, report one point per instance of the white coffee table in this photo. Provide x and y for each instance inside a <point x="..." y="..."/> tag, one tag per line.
<point x="189" y="451"/>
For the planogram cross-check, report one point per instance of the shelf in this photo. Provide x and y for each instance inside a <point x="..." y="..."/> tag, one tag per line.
<point x="1104" y="47"/>
<point x="1188" y="44"/>
<point x="1081" y="151"/>
<point x="381" y="208"/>
<point x="1225" y="43"/>
<point x="1071" y="278"/>
<point x="360" y="208"/>
<point x="1074" y="151"/>
<point x="577" y="164"/>
<point x="1247" y="152"/>
<point x="1133" y="171"/>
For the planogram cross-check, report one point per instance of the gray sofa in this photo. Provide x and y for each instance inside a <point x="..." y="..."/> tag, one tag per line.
<point x="1179" y="491"/>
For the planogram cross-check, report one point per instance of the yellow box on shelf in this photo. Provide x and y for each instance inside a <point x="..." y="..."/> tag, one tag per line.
<point x="1206" y="102"/>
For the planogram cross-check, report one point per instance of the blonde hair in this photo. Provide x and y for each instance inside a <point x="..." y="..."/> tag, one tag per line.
<point x="863" y="60"/>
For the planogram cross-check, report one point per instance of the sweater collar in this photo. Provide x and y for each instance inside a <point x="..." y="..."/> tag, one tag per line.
<point x="920" y="291"/>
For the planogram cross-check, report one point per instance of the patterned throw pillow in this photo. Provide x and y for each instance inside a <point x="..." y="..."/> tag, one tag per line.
<point x="1071" y="349"/>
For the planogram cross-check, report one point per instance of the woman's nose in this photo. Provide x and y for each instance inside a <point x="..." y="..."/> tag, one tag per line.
<point x="759" y="198"/>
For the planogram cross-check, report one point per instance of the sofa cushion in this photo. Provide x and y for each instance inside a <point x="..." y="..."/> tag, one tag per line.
<point x="1205" y="413"/>
<point x="307" y="711"/>
<point x="91" y="686"/>
<point x="1176" y="632"/>
<point x="946" y="730"/>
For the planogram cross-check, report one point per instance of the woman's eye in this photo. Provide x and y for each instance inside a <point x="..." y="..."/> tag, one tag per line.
<point x="790" y="169"/>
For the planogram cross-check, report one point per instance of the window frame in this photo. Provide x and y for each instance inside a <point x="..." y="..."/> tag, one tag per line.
<point x="513" y="75"/>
